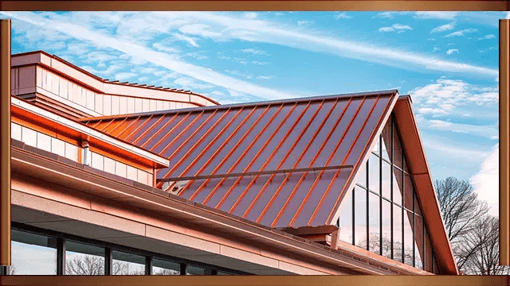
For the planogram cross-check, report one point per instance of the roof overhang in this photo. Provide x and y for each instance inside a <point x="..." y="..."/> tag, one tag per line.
<point x="167" y="206"/>
<point x="417" y="162"/>
<point x="82" y="132"/>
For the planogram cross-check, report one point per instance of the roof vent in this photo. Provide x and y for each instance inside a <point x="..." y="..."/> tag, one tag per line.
<point x="173" y="187"/>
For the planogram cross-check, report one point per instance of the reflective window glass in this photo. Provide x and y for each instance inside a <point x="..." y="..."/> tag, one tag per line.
<point x="15" y="131"/>
<point x="29" y="136"/>
<point x="162" y="267"/>
<point x="397" y="149"/>
<point x="397" y="233"/>
<point x="408" y="193"/>
<point x="428" y="253"/>
<point x="376" y="147"/>
<point x="386" y="228"/>
<point x="386" y="180"/>
<point x="408" y="238"/>
<point x="127" y="263"/>
<point x="345" y="219"/>
<point x="362" y="177"/>
<point x="397" y="186"/>
<point x="193" y="270"/>
<point x="360" y="217"/>
<point x="33" y="254"/>
<point x="84" y="259"/>
<point x="386" y="141"/>
<point x="418" y="240"/>
<point x="374" y="223"/>
<point x="44" y="142"/>
<point x="373" y="175"/>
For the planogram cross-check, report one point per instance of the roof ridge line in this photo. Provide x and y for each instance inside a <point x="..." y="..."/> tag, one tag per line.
<point x="234" y="105"/>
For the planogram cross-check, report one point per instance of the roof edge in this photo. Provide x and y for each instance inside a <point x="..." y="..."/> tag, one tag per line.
<point x="247" y="104"/>
<point x="417" y="161"/>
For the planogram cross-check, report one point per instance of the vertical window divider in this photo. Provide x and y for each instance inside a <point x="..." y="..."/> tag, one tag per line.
<point x="183" y="269"/>
<point x="61" y="256"/>
<point x="353" y="218"/>
<point x="391" y="186"/>
<point x="367" y="198"/>
<point x="108" y="261"/>
<point x="148" y="265"/>
<point x="413" y="226"/>
<point x="380" y="196"/>
<point x="403" y="191"/>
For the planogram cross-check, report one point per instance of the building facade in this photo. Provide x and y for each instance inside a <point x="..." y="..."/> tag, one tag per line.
<point x="114" y="178"/>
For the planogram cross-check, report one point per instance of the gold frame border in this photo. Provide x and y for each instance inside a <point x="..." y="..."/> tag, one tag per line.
<point x="5" y="133"/>
<point x="285" y="5"/>
<point x="504" y="143"/>
<point x="259" y="5"/>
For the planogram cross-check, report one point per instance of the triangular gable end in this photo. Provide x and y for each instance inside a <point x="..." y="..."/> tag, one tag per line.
<point x="384" y="205"/>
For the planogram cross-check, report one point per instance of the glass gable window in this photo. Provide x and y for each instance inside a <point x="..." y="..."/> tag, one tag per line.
<point x="383" y="212"/>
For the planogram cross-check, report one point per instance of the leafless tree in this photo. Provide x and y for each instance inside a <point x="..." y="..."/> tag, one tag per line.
<point x="460" y="207"/>
<point x="94" y="265"/>
<point x="473" y="233"/>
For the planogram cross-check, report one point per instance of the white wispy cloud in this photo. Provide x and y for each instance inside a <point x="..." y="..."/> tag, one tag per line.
<point x="304" y="22"/>
<point x="436" y="15"/>
<point x="395" y="27"/>
<point x="442" y="96"/>
<point x="342" y="15"/>
<point x="223" y="27"/>
<point x="122" y="76"/>
<point x="451" y="51"/>
<point x="442" y="28"/>
<point x="461" y="33"/>
<point x="487" y="37"/>
<point x="187" y="39"/>
<point x="486" y="181"/>
<point x="486" y="131"/>
<point x="253" y="51"/>
<point x="142" y="53"/>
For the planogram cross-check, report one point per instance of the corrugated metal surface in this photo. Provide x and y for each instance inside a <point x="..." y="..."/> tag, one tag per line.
<point x="268" y="136"/>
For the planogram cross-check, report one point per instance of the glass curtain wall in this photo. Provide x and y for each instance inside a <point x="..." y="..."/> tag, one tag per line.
<point x="382" y="213"/>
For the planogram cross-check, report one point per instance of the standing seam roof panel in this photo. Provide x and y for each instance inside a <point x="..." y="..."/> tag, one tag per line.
<point x="270" y="136"/>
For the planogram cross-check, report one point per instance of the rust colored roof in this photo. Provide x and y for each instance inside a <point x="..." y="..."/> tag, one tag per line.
<point x="278" y="163"/>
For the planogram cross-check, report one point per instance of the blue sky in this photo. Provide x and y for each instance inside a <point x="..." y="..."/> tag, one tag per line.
<point x="446" y="61"/>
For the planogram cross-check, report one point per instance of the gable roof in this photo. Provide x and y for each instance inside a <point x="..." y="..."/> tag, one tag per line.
<point x="278" y="163"/>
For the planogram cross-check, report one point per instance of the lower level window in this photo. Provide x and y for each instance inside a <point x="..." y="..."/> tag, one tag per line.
<point x="33" y="254"/>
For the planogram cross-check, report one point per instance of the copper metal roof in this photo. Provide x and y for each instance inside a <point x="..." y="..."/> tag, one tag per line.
<point x="278" y="163"/>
